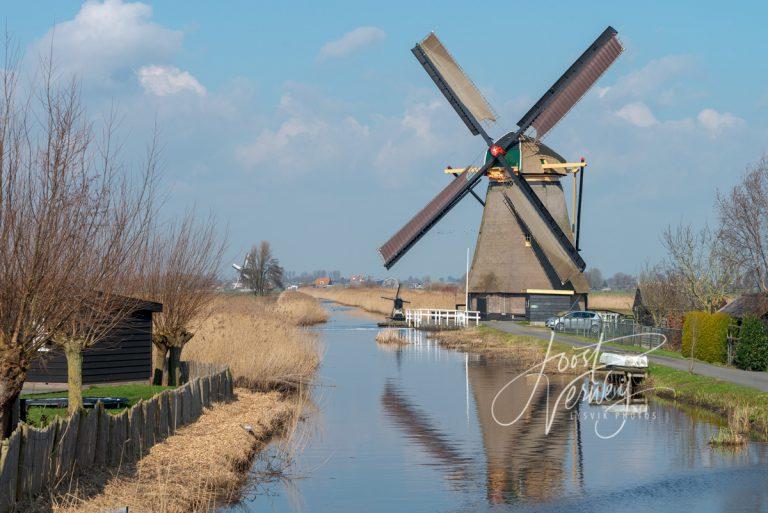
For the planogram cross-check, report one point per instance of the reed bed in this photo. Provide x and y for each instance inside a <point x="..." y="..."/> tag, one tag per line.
<point x="617" y="301"/>
<point x="370" y="298"/>
<point x="263" y="344"/>
<point x="391" y="337"/>
<point x="737" y="430"/>
<point x="302" y="309"/>
<point x="200" y="468"/>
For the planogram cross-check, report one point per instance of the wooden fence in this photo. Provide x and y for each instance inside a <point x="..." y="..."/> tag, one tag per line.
<point x="34" y="460"/>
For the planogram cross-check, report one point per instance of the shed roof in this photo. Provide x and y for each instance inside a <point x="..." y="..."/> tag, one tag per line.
<point x="755" y="303"/>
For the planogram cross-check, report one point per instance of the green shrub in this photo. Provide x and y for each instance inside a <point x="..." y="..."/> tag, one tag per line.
<point x="752" y="349"/>
<point x="711" y="331"/>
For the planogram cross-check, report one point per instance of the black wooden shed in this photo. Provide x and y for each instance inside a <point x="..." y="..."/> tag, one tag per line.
<point x="124" y="355"/>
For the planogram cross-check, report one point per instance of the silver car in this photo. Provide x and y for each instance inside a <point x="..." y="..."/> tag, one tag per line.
<point x="581" y="321"/>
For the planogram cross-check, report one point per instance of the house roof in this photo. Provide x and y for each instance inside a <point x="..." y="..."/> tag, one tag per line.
<point x="747" y="304"/>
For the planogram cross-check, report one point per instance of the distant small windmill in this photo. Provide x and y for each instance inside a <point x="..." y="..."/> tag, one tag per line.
<point x="243" y="272"/>
<point x="527" y="262"/>
<point x="397" y="316"/>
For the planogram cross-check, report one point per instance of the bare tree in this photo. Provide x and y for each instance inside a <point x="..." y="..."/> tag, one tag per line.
<point x="125" y="206"/>
<point x="53" y="197"/>
<point x="263" y="273"/>
<point x="743" y="215"/>
<point x="696" y="260"/>
<point x="595" y="278"/>
<point x="180" y="271"/>
<point x="662" y="293"/>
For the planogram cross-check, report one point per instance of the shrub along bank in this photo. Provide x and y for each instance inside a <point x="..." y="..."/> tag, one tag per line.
<point x="752" y="349"/>
<point x="705" y="336"/>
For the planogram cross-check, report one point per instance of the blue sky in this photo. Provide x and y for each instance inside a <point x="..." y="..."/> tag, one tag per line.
<point x="311" y="124"/>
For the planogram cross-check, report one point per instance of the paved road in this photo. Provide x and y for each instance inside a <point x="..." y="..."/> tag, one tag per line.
<point x="757" y="380"/>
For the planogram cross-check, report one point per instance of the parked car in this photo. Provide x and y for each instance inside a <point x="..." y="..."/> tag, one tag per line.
<point x="584" y="321"/>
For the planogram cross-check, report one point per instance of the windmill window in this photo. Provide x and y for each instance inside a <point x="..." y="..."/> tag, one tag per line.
<point x="528" y="239"/>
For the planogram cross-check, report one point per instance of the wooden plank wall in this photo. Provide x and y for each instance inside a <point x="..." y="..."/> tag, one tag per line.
<point x="124" y="355"/>
<point x="33" y="460"/>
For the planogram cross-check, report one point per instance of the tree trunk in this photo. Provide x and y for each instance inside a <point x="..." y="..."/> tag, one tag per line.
<point x="174" y="367"/>
<point x="74" y="356"/>
<point x="159" y="376"/>
<point x="12" y="376"/>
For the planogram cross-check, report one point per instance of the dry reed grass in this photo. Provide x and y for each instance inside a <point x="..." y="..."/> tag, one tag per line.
<point x="370" y="298"/>
<point x="201" y="467"/>
<point x="263" y="345"/>
<point x="526" y="351"/>
<point x="303" y="309"/>
<point x="619" y="302"/>
<point x="736" y="432"/>
<point x="391" y="337"/>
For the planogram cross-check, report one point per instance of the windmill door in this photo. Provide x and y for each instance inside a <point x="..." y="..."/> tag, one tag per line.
<point x="482" y="305"/>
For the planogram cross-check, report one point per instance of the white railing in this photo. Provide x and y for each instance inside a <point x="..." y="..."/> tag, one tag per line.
<point x="423" y="317"/>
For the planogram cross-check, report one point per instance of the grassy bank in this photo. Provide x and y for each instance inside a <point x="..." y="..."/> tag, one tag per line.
<point x="200" y="468"/>
<point x="712" y="394"/>
<point x="523" y="351"/>
<point x="370" y="298"/>
<point x="261" y="339"/>
<point x="134" y="392"/>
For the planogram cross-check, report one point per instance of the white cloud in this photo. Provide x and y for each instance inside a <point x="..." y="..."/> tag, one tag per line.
<point x="715" y="121"/>
<point x="168" y="80"/>
<point x="107" y="40"/>
<point x="351" y="42"/>
<point x="638" y="114"/>
<point x="650" y="79"/>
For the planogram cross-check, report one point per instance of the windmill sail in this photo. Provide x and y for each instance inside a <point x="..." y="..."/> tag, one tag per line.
<point x="455" y="85"/>
<point x="573" y="84"/>
<point x="420" y="224"/>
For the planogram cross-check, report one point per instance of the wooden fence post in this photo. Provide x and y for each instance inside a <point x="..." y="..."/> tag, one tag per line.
<point x="65" y="447"/>
<point x="9" y="470"/>
<point x="102" y="435"/>
<point x="118" y="436"/>
<point x="135" y="443"/>
<point x="86" y="439"/>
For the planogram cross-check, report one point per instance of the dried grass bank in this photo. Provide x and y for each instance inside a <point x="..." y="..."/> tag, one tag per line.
<point x="201" y="467"/>
<point x="370" y="298"/>
<point x="261" y="340"/>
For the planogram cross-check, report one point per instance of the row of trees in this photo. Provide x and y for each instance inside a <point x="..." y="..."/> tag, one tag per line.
<point x="80" y="241"/>
<point x="702" y="267"/>
<point x="618" y="281"/>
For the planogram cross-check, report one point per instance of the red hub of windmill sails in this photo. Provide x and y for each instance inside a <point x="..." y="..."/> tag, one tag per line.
<point x="497" y="150"/>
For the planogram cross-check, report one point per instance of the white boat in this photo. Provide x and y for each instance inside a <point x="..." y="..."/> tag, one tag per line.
<point x="624" y="360"/>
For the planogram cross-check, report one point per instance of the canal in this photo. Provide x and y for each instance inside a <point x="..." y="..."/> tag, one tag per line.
<point x="410" y="428"/>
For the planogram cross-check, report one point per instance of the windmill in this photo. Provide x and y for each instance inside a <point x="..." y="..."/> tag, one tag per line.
<point x="397" y="316"/>
<point x="243" y="272"/>
<point x="526" y="262"/>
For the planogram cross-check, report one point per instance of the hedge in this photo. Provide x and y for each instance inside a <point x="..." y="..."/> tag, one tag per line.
<point x="711" y="331"/>
<point x="752" y="349"/>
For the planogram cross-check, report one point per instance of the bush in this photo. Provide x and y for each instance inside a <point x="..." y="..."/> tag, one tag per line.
<point x="752" y="349"/>
<point x="711" y="332"/>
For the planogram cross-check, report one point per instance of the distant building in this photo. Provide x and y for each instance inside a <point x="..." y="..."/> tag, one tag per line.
<point x="755" y="304"/>
<point x="356" y="279"/>
<point x="323" y="281"/>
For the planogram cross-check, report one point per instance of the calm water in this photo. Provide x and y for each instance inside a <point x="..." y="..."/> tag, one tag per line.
<point x="410" y="429"/>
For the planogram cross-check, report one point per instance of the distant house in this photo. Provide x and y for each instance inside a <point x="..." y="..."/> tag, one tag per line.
<point x="323" y="281"/>
<point x="640" y="311"/>
<point x="755" y="303"/>
<point x="124" y="355"/>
